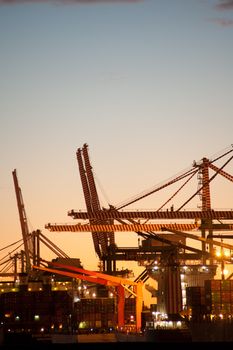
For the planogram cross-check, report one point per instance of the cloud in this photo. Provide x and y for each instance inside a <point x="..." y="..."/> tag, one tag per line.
<point x="223" y="22"/>
<point x="225" y="5"/>
<point x="66" y="2"/>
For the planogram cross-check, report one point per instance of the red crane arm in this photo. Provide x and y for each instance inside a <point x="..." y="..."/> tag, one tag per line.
<point x="103" y="276"/>
<point x="73" y="275"/>
<point x="97" y="277"/>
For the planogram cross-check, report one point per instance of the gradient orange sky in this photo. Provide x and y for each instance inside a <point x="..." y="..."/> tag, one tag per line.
<point x="146" y="84"/>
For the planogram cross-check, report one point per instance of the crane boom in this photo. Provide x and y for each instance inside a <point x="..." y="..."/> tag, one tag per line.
<point x="119" y="227"/>
<point x="94" y="197"/>
<point x="101" y="240"/>
<point x="152" y="215"/>
<point x="174" y="228"/>
<point x="87" y="197"/>
<point x="23" y="221"/>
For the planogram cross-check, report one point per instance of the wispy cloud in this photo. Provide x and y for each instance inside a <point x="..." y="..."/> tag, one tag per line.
<point x="67" y="2"/>
<point x="223" y="22"/>
<point x="225" y="5"/>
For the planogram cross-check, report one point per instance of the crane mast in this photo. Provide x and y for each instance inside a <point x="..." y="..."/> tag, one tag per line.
<point x="206" y="200"/>
<point x="23" y="221"/>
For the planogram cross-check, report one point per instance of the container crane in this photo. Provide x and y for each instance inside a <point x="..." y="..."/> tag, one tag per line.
<point x="102" y="220"/>
<point x="206" y="214"/>
<point x="203" y="219"/>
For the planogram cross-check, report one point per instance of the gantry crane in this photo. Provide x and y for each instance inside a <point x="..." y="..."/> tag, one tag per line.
<point x="204" y="220"/>
<point x="101" y="220"/>
<point x="206" y="215"/>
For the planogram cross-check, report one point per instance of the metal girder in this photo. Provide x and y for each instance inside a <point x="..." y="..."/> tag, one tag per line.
<point x="160" y="215"/>
<point x="118" y="227"/>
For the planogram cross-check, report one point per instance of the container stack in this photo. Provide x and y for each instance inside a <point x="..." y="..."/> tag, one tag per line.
<point x="96" y="313"/>
<point x="219" y="297"/>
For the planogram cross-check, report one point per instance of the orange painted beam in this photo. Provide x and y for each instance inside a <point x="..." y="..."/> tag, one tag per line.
<point x="77" y="276"/>
<point x="139" y="304"/>
<point x="119" y="227"/>
<point x="104" y="276"/>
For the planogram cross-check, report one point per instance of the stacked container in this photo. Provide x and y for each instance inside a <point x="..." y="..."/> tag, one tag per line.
<point x="219" y="297"/>
<point x="96" y="313"/>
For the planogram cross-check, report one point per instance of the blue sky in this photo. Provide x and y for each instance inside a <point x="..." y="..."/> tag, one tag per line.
<point x="148" y="85"/>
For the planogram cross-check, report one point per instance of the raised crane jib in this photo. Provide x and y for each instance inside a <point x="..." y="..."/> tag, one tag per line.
<point x="23" y="222"/>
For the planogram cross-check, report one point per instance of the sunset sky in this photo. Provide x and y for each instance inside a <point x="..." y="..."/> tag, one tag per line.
<point x="148" y="85"/>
